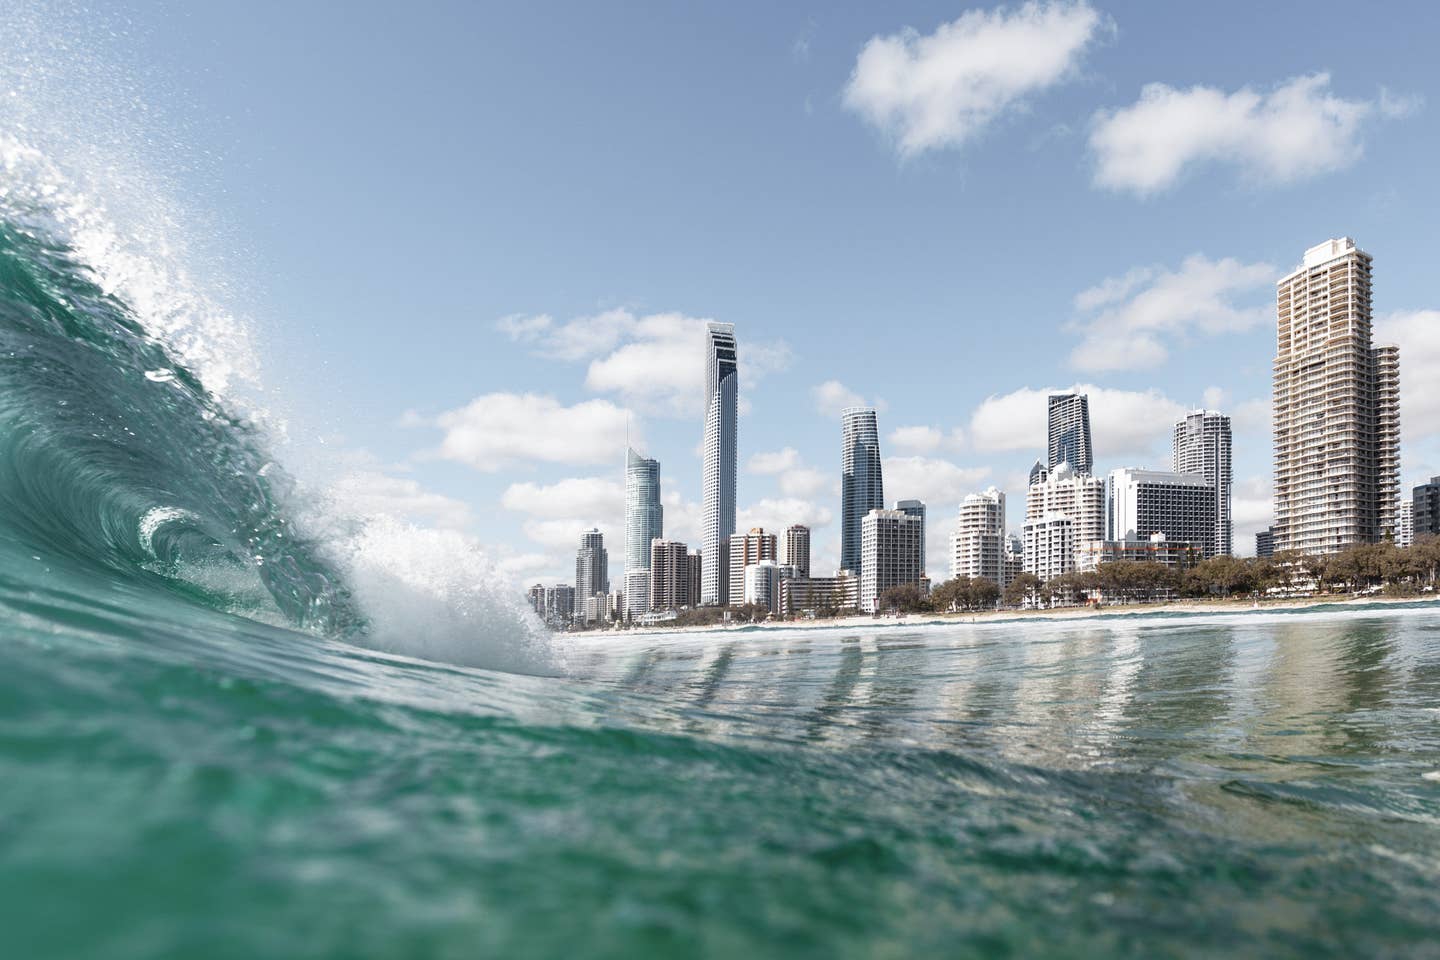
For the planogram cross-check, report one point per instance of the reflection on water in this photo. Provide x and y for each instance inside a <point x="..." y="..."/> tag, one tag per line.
<point x="1130" y="694"/>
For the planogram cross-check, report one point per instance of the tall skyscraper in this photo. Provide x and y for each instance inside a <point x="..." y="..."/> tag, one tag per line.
<point x="644" y="522"/>
<point x="915" y="508"/>
<point x="717" y="482"/>
<point x="1337" y="407"/>
<point x="892" y="554"/>
<point x="1265" y="543"/>
<point x="592" y="569"/>
<point x="862" y="486"/>
<point x="1202" y="445"/>
<point x="977" y="547"/>
<point x="747" y="549"/>
<point x="796" y="551"/>
<point x="1070" y="432"/>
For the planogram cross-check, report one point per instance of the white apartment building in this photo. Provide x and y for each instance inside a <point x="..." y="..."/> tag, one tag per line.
<point x="978" y="545"/>
<point x="891" y="554"/>
<point x="1202" y="444"/>
<point x="1049" y="545"/>
<point x="1078" y="497"/>
<point x="1336" y="407"/>
<point x="744" y="550"/>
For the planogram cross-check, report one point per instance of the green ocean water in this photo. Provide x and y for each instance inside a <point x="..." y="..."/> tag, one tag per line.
<point x="235" y="724"/>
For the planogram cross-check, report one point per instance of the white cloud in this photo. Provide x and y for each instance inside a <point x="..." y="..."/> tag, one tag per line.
<point x="777" y="461"/>
<point x="1417" y="332"/>
<point x="1295" y="131"/>
<point x="655" y="362"/>
<point x="1123" y="422"/>
<point x="498" y="430"/>
<point x="1252" y="509"/>
<point x="924" y="439"/>
<point x="793" y="477"/>
<point x="1132" y="317"/>
<point x="942" y="89"/>
<point x="777" y="514"/>
<point x="557" y="513"/>
<point x="587" y="498"/>
<point x="832" y="396"/>
<point x="369" y="493"/>
<point x="940" y="483"/>
<point x="524" y="328"/>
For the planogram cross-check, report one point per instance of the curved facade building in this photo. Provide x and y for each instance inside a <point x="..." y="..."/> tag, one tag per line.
<point x="644" y="516"/>
<point x="862" y="487"/>
<point x="717" y="481"/>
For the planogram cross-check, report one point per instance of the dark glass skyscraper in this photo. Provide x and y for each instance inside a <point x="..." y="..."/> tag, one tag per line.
<point x="862" y="486"/>
<point x="1070" y="432"/>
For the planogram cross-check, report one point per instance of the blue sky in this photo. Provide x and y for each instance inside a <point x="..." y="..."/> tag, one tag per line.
<point x="475" y="240"/>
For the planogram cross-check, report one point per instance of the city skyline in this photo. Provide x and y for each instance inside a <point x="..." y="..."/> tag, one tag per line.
<point x="1015" y="256"/>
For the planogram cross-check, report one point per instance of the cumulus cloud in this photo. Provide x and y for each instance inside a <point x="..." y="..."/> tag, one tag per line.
<point x="557" y="513"/>
<point x="1252" y="509"/>
<point x="777" y="514"/>
<point x="1122" y="422"/>
<point x="370" y="493"/>
<point x="794" y="478"/>
<point x="940" y="483"/>
<point x="940" y="90"/>
<point x="588" y="498"/>
<point x="1127" y="321"/>
<point x="655" y="362"/>
<point x="924" y="439"/>
<point x="1417" y="332"/>
<point x="498" y="430"/>
<point x="832" y="396"/>
<point x="1296" y="131"/>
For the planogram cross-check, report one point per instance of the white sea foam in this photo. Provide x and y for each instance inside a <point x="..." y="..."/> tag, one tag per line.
<point x="434" y="594"/>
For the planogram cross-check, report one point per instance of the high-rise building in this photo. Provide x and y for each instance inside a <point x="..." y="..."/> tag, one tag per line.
<point x="721" y="449"/>
<point x="1077" y="498"/>
<point x="644" y="522"/>
<point x="746" y="549"/>
<point x="796" y="552"/>
<point x="644" y="515"/>
<point x="592" y="571"/>
<point x="1405" y="526"/>
<point x="696" y="566"/>
<point x="536" y="596"/>
<point x="1202" y="445"/>
<point x="559" y="604"/>
<point x="862" y="487"/>
<point x="1049" y="545"/>
<point x="1425" y="508"/>
<point x="977" y="547"/>
<point x="916" y="508"/>
<point x="763" y="584"/>
<point x="1012" y="561"/>
<point x="892" y="555"/>
<point x="1070" y="432"/>
<point x="1265" y="543"/>
<point x="1038" y="473"/>
<point x="669" y="575"/>
<point x="1180" y="506"/>
<point x="1336" y="407"/>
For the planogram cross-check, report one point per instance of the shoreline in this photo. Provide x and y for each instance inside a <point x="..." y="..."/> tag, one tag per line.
<point x="1179" y="607"/>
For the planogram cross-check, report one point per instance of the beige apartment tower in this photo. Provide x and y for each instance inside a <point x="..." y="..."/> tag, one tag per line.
<point x="1337" y="408"/>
